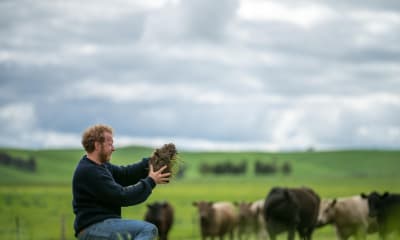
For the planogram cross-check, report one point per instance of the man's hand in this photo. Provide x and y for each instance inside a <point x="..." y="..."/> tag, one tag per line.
<point x="158" y="176"/>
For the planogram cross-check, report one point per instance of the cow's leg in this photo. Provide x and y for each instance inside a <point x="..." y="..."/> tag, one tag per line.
<point x="309" y="233"/>
<point x="291" y="233"/>
<point x="344" y="238"/>
<point x="271" y="233"/>
<point x="232" y="235"/>
<point x="303" y="233"/>
<point x="382" y="232"/>
<point x="161" y="236"/>
<point x="361" y="234"/>
<point x="239" y="234"/>
<point x="272" y="236"/>
<point x="383" y="236"/>
<point x="262" y="233"/>
<point x="340" y="235"/>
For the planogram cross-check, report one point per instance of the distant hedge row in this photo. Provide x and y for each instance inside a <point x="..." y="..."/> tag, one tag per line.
<point x="260" y="168"/>
<point x="18" y="163"/>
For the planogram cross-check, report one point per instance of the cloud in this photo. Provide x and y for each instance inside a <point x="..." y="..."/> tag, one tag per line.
<point x="243" y="74"/>
<point x="305" y="16"/>
<point x="17" y="117"/>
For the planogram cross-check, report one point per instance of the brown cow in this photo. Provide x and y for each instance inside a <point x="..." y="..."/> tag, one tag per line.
<point x="349" y="215"/>
<point x="247" y="220"/>
<point x="251" y="220"/>
<point x="160" y="214"/>
<point x="291" y="209"/>
<point x="216" y="219"/>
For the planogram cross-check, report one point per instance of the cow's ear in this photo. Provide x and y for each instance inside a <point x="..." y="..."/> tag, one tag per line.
<point x="386" y="194"/>
<point x="195" y="204"/>
<point x="333" y="203"/>
<point x="235" y="203"/>
<point x="363" y="195"/>
<point x="148" y="205"/>
<point x="289" y="195"/>
<point x="164" y="204"/>
<point x="210" y="204"/>
<point x="286" y="194"/>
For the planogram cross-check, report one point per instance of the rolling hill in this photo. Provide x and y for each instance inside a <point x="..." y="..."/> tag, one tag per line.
<point x="57" y="166"/>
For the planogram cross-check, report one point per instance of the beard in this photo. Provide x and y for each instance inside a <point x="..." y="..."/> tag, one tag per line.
<point x="104" y="156"/>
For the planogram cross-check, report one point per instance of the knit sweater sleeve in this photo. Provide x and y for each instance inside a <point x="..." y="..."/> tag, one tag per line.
<point x="106" y="189"/>
<point x="131" y="174"/>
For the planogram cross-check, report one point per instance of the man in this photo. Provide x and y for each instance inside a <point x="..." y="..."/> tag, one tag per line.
<point x="100" y="189"/>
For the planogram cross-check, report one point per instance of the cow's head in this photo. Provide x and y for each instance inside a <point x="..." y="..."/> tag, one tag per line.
<point x="374" y="202"/>
<point x="245" y="212"/>
<point x="327" y="212"/>
<point x="156" y="212"/>
<point x="206" y="211"/>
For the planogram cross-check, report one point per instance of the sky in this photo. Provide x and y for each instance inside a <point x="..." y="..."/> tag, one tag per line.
<point x="264" y="75"/>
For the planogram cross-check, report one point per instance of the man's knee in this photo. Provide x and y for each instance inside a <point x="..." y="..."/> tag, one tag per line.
<point x="151" y="229"/>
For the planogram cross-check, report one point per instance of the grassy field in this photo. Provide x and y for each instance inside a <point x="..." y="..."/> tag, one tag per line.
<point x="38" y="205"/>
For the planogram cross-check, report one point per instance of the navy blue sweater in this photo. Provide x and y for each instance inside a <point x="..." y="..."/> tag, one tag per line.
<point x="99" y="191"/>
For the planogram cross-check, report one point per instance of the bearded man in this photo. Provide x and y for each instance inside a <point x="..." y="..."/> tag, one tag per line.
<point x="100" y="189"/>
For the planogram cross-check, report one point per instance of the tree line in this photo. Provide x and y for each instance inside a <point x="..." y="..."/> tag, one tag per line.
<point x="18" y="163"/>
<point x="260" y="168"/>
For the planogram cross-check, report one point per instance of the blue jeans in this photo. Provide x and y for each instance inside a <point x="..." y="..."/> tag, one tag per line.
<point x="119" y="229"/>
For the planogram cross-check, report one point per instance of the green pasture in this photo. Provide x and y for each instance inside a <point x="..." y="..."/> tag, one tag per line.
<point x="38" y="205"/>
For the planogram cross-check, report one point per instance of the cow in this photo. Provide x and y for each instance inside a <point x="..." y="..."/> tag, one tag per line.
<point x="349" y="216"/>
<point x="291" y="209"/>
<point x="246" y="220"/>
<point x="216" y="219"/>
<point x="251" y="220"/>
<point x="257" y="209"/>
<point x="161" y="214"/>
<point x="386" y="208"/>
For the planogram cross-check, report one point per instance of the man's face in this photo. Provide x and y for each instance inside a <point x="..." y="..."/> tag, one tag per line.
<point x="107" y="148"/>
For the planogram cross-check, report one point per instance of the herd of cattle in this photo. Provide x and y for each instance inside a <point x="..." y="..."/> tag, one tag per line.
<point x="289" y="210"/>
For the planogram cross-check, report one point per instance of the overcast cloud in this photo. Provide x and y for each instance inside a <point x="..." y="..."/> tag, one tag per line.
<point x="205" y="74"/>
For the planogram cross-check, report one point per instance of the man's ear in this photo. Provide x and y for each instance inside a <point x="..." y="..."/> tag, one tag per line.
<point x="97" y="145"/>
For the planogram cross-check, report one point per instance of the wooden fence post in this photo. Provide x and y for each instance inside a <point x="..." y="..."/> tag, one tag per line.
<point x="17" y="230"/>
<point x="63" y="227"/>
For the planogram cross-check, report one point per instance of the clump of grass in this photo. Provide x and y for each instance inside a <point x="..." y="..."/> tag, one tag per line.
<point x="166" y="155"/>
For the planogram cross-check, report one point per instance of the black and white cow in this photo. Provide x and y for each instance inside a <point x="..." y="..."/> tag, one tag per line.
<point x="386" y="208"/>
